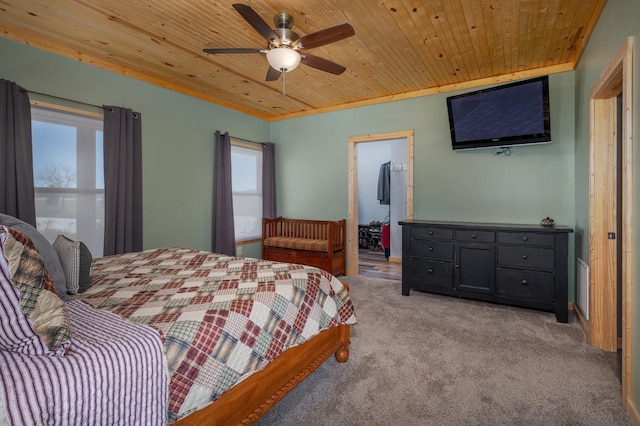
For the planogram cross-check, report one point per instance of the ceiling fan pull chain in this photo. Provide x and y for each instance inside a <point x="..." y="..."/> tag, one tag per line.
<point x="284" y="78"/>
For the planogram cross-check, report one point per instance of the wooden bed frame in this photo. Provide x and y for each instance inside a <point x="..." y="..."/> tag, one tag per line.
<point x="250" y="399"/>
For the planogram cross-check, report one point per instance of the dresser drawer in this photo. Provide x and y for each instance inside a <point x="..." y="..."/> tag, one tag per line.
<point x="530" y="286"/>
<point x="430" y="249"/>
<point x="527" y="257"/>
<point x="431" y="232"/>
<point x="471" y="235"/>
<point x="427" y="274"/>
<point x="526" y="238"/>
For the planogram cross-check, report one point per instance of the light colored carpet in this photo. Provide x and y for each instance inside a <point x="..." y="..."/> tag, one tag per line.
<point x="434" y="360"/>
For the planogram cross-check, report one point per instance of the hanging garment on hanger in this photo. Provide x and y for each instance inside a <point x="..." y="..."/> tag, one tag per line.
<point x="386" y="240"/>
<point x="384" y="183"/>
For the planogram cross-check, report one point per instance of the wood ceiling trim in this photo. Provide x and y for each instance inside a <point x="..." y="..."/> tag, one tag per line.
<point x="47" y="45"/>
<point x="588" y="29"/>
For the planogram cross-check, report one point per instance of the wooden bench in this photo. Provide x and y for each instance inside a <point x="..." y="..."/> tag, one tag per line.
<point x="319" y="243"/>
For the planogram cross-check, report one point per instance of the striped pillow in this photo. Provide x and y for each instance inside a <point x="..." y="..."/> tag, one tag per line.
<point x="76" y="259"/>
<point x="33" y="319"/>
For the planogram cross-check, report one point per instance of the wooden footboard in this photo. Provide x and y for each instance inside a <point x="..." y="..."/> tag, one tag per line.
<point x="250" y="399"/>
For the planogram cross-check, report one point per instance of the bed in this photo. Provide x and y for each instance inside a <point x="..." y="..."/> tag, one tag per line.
<point x="180" y="336"/>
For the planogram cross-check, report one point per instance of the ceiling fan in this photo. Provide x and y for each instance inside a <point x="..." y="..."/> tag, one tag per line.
<point x="285" y="46"/>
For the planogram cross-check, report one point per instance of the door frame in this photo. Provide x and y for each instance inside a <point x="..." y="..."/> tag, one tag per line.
<point x="352" y="220"/>
<point x="602" y="327"/>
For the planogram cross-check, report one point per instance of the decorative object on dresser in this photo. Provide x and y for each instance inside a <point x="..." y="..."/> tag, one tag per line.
<point x="547" y="221"/>
<point x="319" y="243"/>
<point x="520" y="265"/>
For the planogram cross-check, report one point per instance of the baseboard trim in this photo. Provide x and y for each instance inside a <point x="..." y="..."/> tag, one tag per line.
<point x="395" y="259"/>
<point x="633" y="413"/>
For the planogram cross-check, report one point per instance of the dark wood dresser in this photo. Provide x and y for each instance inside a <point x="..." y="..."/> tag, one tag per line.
<point x="520" y="265"/>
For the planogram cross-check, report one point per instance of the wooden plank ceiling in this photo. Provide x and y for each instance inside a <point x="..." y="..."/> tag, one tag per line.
<point x="401" y="48"/>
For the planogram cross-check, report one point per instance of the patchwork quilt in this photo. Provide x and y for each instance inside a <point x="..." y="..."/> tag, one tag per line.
<point x="220" y="318"/>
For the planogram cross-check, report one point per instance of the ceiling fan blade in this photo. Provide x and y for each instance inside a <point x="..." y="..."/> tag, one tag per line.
<point x="234" y="50"/>
<point x="256" y="21"/>
<point x="326" y="36"/>
<point x="322" y="64"/>
<point x="272" y="74"/>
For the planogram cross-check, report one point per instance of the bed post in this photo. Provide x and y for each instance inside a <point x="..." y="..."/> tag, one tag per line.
<point x="342" y="354"/>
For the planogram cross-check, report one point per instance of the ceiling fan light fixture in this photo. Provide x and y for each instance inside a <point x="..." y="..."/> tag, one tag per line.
<point x="283" y="59"/>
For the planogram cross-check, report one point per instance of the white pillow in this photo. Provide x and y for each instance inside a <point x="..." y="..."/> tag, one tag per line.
<point x="76" y="259"/>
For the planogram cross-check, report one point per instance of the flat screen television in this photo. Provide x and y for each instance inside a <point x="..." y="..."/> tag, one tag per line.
<point x="511" y="114"/>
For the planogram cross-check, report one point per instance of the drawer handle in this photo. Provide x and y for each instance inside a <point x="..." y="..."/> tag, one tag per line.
<point x="524" y="256"/>
<point x="524" y="282"/>
<point x="473" y="236"/>
<point x="430" y="248"/>
<point x="430" y="232"/>
<point x="524" y="238"/>
<point x="430" y="271"/>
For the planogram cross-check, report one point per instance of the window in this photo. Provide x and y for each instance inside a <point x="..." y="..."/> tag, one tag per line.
<point x="68" y="174"/>
<point x="246" y="178"/>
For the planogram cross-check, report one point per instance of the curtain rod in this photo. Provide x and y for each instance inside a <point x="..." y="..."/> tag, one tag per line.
<point x="102" y="108"/>
<point x="64" y="99"/>
<point x="246" y="140"/>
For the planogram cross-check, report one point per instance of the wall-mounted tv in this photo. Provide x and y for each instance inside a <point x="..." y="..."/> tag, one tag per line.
<point x="511" y="114"/>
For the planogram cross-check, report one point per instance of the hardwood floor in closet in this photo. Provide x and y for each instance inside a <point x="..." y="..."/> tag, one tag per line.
<point x="373" y="264"/>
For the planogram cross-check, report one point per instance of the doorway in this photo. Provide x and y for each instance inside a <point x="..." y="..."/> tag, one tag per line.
<point x="352" y="220"/>
<point x="610" y="212"/>
<point x="381" y="194"/>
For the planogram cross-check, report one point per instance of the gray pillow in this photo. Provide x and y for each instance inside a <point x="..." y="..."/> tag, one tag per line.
<point x="45" y="249"/>
<point x="76" y="259"/>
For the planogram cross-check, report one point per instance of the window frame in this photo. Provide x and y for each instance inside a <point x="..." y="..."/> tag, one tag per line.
<point x="84" y="175"/>
<point x="254" y="146"/>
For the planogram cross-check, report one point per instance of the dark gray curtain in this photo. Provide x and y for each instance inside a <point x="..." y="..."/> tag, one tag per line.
<point x="17" y="197"/>
<point x="269" y="181"/>
<point x="122" y="181"/>
<point x="223" y="238"/>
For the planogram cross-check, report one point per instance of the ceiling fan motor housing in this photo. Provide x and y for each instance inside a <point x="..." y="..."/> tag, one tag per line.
<point x="283" y="23"/>
<point x="283" y="20"/>
<point x="287" y="37"/>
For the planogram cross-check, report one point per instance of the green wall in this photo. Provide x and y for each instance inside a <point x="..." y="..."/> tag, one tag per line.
<point x="618" y="21"/>
<point x="530" y="184"/>
<point x="177" y="134"/>
<point x="311" y="152"/>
